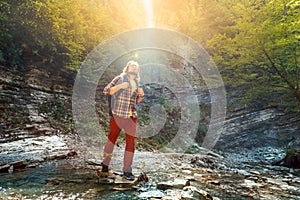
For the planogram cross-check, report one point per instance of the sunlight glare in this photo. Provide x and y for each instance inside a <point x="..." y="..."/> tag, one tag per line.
<point x="136" y="55"/>
<point x="149" y="11"/>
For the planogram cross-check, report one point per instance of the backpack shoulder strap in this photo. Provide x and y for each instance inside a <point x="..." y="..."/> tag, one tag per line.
<point x="111" y="98"/>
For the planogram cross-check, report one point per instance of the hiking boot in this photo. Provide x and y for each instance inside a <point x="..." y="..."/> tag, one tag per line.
<point x="104" y="172"/>
<point x="129" y="176"/>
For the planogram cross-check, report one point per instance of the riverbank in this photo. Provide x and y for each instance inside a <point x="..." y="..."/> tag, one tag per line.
<point x="171" y="176"/>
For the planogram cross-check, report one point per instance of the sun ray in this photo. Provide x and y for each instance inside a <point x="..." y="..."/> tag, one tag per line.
<point x="149" y="11"/>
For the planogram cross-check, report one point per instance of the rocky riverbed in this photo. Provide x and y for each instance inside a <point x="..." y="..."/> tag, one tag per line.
<point x="206" y="175"/>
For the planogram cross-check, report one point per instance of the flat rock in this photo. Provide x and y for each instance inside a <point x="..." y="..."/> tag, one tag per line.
<point x="169" y="198"/>
<point x="198" y="176"/>
<point x="296" y="180"/>
<point x="276" y="182"/>
<point x="122" y="188"/>
<point x="243" y="172"/>
<point x="177" y="183"/>
<point x="121" y="181"/>
<point x="254" y="172"/>
<point x="198" y="193"/>
<point x="251" y="184"/>
<point x="214" y="182"/>
<point x="152" y="194"/>
<point x="34" y="150"/>
<point x="188" y="172"/>
<point x="106" y="181"/>
<point x="175" y="194"/>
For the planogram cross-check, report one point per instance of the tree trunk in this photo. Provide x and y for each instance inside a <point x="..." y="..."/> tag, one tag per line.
<point x="297" y="94"/>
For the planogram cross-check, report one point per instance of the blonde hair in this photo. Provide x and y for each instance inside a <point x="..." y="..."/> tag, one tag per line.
<point x="134" y="63"/>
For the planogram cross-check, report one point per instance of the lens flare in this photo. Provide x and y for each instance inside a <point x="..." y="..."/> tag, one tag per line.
<point x="149" y="11"/>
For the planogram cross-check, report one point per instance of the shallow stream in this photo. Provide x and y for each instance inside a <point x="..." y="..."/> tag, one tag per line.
<point x="60" y="180"/>
<point x="71" y="179"/>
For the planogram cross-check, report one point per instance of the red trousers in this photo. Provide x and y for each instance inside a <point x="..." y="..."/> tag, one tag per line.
<point x="116" y="125"/>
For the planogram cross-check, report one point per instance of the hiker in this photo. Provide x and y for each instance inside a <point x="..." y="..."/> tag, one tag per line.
<point x="124" y="95"/>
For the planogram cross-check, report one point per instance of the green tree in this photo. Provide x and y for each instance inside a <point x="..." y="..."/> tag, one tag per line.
<point x="260" y="50"/>
<point x="52" y="32"/>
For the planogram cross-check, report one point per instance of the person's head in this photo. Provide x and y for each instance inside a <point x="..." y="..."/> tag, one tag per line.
<point x="132" y="69"/>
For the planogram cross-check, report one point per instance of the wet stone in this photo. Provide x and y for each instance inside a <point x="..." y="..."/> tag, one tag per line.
<point x="287" y="180"/>
<point x="122" y="188"/>
<point x="200" y="163"/>
<point x="253" y="178"/>
<point x="251" y="184"/>
<point x="243" y="172"/>
<point x="254" y="172"/>
<point x="188" y="172"/>
<point x="291" y="189"/>
<point x="54" y="181"/>
<point x="296" y="180"/>
<point x="278" y="182"/>
<point x="175" y="194"/>
<point x="152" y="194"/>
<point x="124" y="182"/>
<point x="169" y="198"/>
<point x="190" y="178"/>
<point x="214" y="182"/>
<point x="177" y="183"/>
<point x="275" y="188"/>
<point x="198" y="176"/>
<point x="106" y="181"/>
<point x="246" y="195"/>
<point x="198" y="193"/>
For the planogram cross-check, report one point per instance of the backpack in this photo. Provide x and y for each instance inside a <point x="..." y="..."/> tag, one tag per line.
<point x="110" y="98"/>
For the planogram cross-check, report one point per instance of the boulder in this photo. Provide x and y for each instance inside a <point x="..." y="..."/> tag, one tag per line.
<point x="291" y="160"/>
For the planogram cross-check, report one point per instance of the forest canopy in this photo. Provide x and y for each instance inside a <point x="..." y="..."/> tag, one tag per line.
<point x="255" y="43"/>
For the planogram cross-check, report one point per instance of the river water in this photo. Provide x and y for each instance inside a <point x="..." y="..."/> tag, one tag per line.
<point x="57" y="180"/>
<point x="71" y="179"/>
<point x="61" y="180"/>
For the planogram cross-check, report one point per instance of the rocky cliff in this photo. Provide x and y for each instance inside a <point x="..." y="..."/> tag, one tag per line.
<point x="35" y="102"/>
<point x="264" y="127"/>
<point x="35" y="115"/>
<point x="28" y="99"/>
<point x="263" y="134"/>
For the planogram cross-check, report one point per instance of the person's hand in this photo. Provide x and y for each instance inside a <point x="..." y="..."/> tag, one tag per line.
<point x="124" y="85"/>
<point x="140" y="92"/>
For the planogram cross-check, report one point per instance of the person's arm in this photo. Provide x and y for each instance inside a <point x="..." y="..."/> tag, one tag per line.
<point x="114" y="86"/>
